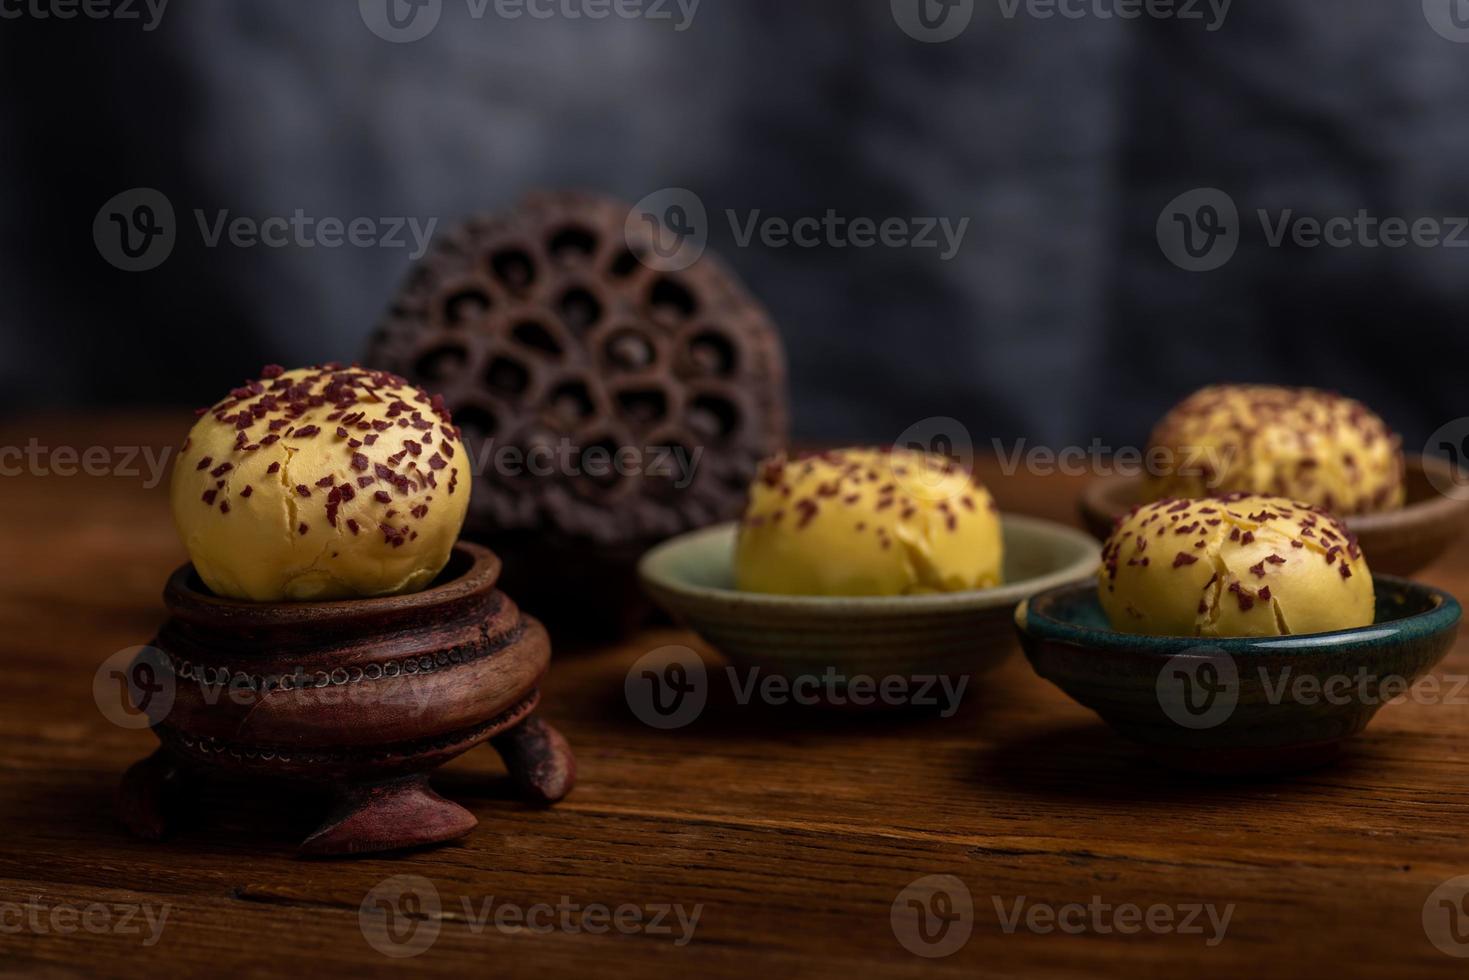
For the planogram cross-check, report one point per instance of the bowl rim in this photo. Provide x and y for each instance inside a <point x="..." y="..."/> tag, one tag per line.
<point x="1444" y="614"/>
<point x="1097" y="499"/>
<point x="1008" y="593"/>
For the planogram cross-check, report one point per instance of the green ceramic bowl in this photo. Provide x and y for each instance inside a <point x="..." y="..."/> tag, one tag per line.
<point x="953" y="634"/>
<point x="1240" y="704"/>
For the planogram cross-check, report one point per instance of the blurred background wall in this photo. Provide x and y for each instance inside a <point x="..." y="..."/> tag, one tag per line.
<point x="1061" y="139"/>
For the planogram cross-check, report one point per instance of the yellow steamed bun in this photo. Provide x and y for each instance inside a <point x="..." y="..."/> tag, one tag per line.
<point x="321" y="483"/>
<point x="1301" y="443"/>
<point x="867" y="522"/>
<point x="1239" y="565"/>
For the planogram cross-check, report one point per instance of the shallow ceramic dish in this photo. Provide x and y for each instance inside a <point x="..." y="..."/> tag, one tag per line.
<point x="954" y="634"/>
<point x="1398" y="542"/>
<point x="1240" y="704"/>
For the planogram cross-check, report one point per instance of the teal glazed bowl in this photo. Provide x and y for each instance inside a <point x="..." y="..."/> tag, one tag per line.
<point x="1238" y="704"/>
<point x="950" y="634"/>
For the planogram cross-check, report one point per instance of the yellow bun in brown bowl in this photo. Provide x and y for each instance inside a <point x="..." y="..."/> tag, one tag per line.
<point x="321" y="483"/>
<point x="867" y="522"/>
<point x="1238" y="565"/>
<point x="1310" y="445"/>
<point x="1302" y="443"/>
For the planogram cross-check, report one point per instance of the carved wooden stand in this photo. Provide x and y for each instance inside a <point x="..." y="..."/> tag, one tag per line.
<point x="367" y="696"/>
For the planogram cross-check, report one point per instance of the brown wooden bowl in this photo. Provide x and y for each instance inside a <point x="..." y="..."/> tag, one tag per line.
<point x="366" y="696"/>
<point x="1398" y="542"/>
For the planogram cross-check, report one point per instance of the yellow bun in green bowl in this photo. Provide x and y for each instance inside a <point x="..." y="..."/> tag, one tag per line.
<point x="867" y="522"/>
<point x="1238" y="565"/>
<point x="321" y="483"/>
<point x="900" y="579"/>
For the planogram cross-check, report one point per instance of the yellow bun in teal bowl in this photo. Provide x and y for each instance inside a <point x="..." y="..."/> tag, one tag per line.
<point x="1238" y="565"/>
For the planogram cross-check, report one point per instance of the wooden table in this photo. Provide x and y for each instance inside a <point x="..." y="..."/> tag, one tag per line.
<point x="794" y="833"/>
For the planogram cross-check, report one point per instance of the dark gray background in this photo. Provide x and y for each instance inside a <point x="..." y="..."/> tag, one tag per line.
<point x="1061" y="140"/>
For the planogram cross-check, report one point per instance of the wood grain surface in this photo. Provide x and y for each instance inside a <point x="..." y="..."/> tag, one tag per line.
<point x="791" y="833"/>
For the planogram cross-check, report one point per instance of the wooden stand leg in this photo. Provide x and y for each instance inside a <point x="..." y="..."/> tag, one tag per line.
<point x="539" y="760"/>
<point x="148" y="795"/>
<point x="388" y="816"/>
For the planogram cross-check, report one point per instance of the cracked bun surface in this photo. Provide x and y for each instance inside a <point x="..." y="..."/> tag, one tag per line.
<point x="1237" y="565"/>
<point x="321" y="483"/>
<point x="1302" y="443"/>
<point x="867" y="522"/>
